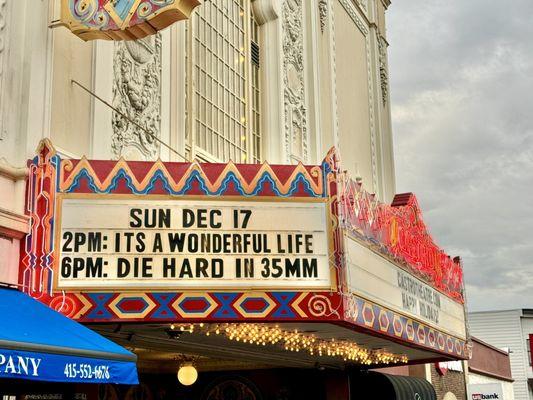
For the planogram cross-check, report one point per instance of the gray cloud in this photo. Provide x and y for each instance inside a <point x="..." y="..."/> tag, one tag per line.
<point x="462" y="107"/>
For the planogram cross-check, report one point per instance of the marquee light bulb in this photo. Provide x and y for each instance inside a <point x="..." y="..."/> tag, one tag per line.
<point x="295" y="341"/>
<point x="187" y="374"/>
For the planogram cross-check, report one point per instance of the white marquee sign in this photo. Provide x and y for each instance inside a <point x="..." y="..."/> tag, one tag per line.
<point x="180" y="244"/>
<point x="377" y="279"/>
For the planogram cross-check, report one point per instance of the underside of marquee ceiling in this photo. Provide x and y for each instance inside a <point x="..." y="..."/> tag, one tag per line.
<point x="160" y="348"/>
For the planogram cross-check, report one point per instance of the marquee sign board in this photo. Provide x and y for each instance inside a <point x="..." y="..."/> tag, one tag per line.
<point x="117" y="240"/>
<point x="189" y="244"/>
<point x="374" y="277"/>
<point x="122" y="19"/>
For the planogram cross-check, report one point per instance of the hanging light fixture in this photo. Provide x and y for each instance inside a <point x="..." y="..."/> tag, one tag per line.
<point x="187" y="374"/>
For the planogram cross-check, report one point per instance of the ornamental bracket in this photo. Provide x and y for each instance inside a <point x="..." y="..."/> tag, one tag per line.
<point x="122" y="19"/>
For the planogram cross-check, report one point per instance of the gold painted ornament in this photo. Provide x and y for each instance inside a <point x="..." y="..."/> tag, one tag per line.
<point x="122" y="19"/>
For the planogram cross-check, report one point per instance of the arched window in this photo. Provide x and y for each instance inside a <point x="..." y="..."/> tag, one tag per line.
<point x="449" y="396"/>
<point x="223" y="82"/>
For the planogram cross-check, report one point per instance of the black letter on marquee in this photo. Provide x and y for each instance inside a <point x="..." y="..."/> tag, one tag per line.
<point x="123" y="267"/>
<point x="79" y="240"/>
<point x="94" y="268"/>
<point x="188" y="218"/>
<point x="135" y="221"/>
<point x="158" y="245"/>
<point x="164" y="218"/>
<point x="67" y="236"/>
<point x="186" y="269"/>
<point x="310" y="268"/>
<point x="94" y="241"/>
<point x="292" y="268"/>
<point x="217" y="268"/>
<point x="214" y="224"/>
<point x="169" y="267"/>
<point x="176" y="241"/>
<point x="201" y="268"/>
<point x="66" y="267"/>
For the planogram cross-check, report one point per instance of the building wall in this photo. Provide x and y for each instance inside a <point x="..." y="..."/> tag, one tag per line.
<point x="353" y="102"/>
<point x="503" y="329"/>
<point x="335" y="65"/>
<point x="323" y="77"/>
<point x="508" y="392"/>
<point x="489" y="360"/>
<point x="527" y="329"/>
<point x="70" y="108"/>
<point x="452" y="381"/>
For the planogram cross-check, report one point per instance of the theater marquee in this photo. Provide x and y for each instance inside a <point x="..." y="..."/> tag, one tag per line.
<point x="184" y="244"/>
<point x="156" y="242"/>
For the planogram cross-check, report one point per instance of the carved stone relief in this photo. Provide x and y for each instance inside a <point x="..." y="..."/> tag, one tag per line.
<point x="296" y="140"/>
<point x="323" y="13"/>
<point x="3" y="60"/>
<point x="137" y="94"/>
<point x="383" y="70"/>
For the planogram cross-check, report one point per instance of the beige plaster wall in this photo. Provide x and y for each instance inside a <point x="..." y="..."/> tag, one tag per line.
<point x="326" y="109"/>
<point x="40" y="101"/>
<point x="70" y="120"/>
<point x="380" y="17"/>
<point x="386" y="167"/>
<point x="353" y="110"/>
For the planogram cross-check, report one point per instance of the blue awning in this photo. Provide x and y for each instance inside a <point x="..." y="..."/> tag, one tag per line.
<point x="38" y="343"/>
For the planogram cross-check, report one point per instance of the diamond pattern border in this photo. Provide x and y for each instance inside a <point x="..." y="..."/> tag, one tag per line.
<point x="385" y="321"/>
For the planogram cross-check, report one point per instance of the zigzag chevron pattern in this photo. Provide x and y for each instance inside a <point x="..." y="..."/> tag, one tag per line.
<point x="180" y="179"/>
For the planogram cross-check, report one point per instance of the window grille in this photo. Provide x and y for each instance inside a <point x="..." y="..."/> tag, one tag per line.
<point x="256" y="92"/>
<point x="223" y="83"/>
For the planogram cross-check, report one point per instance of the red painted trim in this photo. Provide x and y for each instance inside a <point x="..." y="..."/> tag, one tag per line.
<point x="490" y="374"/>
<point x="531" y="350"/>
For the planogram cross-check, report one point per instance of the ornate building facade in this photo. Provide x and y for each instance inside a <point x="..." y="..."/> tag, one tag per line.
<point x="281" y="81"/>
<point x="239" y="83"/>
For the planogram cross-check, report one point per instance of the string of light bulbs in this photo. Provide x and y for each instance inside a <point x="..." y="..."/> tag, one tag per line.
<point x="294" y="341"/>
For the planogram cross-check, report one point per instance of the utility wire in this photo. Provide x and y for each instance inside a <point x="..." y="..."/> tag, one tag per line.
<point x="146" y="131"/>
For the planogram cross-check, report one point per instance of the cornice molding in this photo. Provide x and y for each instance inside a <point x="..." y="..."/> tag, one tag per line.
<point x="266" y="10"/>
<point x="13" y="225"/>
<point x="350" y="8"/>
<point x="11" y="172"/>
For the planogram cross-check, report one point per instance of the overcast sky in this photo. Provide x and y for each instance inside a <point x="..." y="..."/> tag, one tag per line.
<point x="462" y="108"/>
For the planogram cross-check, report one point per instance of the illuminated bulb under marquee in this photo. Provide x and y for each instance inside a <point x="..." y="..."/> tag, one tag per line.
<point x="187" y="374"/>
<point x="294" y="341"/>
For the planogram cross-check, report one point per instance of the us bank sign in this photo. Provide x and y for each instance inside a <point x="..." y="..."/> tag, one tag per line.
<point x="114" y="241"/>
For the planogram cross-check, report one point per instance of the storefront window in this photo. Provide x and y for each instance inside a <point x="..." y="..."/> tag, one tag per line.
<point x="223" y="85"/>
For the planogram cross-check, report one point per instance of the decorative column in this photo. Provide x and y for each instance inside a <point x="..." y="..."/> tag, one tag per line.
<point x="383" y="68"/>
<point x="296" y="135"/>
